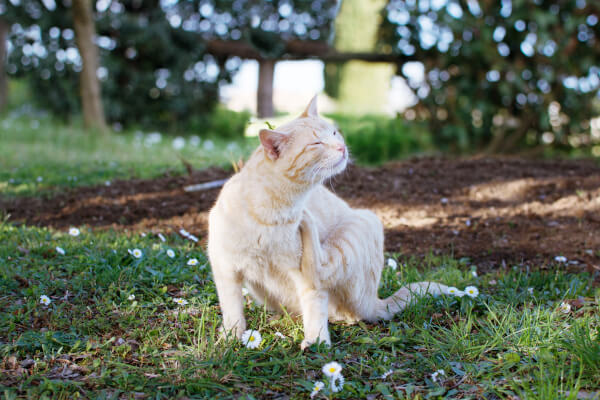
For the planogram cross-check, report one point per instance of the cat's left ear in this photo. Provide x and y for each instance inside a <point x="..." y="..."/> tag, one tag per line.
<point x="311" y="110"/>
<point x="273" y="142"/>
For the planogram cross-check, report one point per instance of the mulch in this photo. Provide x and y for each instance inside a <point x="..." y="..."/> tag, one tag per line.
<point x="496" y="211"/>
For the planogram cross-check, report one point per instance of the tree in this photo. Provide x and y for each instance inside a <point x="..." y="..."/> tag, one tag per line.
<point x="3" y="79"/>
<point x="500" y="74"/>
<point x="89" y="86"/>
<point x="359" y="86"/>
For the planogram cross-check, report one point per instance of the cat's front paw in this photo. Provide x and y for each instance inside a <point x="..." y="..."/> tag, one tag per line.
<point x="307" y="343"/>
<point x="229" y="334"/>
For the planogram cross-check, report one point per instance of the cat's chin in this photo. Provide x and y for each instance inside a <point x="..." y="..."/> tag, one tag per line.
<point x="340" y="166"/>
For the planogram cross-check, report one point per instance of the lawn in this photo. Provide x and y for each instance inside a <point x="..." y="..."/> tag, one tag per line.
<point x="121" y="326"/>
<point x="113" y="329"/>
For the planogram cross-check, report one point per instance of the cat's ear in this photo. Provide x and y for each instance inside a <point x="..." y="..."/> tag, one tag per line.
<point x="272" y="142"/>
<point x="311" y="110"/>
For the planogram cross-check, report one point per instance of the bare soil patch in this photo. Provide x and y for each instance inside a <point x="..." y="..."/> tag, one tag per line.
<point x="491" y="210"/>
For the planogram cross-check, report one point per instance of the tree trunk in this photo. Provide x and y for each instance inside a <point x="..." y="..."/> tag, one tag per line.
<point x="359" y="87"/>
<point x="3" y="57"/>
<point x="89" y="86"/>
<point x="264" y="95"/>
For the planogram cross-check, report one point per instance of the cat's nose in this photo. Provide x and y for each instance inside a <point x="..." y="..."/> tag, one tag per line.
<point x="342" y="148"/>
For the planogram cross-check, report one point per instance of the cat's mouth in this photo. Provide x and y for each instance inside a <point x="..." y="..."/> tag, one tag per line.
<point x="342" y="161"/>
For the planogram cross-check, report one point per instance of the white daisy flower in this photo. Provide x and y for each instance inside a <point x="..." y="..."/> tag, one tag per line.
<point x="317" y="388"/>
<point x="564" y="308"/>
<point x="436" y="374"/>
<point x="280" y="335"/>
<point x="455" y="292"/>
<point x="137" y="253"/>
<point x="170" y="253"/>
<point x="337" y="383"/>
<point x="74" y="232"/>
<point x="192" y="261"/>
<point x="60" y="251"/>
<point x="560" y="259"/>
<point x="387" y="373"/>
<point x="530" y="290"/>
<point x="161" y="237"/>
<point x="251" y="339"/>
<point x="245" y="292"/>
<point x="471" y="291"/>
<point x="332" y="369"/>
<point x="131" y="297"/>
<point x="181" y="302"/>
<point x="392" y="263"/>
<point x="45" y="300"/>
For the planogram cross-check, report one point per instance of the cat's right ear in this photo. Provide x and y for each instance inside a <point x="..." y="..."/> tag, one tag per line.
<point x="272" y="142"/>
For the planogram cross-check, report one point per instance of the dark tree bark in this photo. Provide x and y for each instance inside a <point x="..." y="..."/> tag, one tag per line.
<point x="89" y="86"/>
<point x="3" y="56"/>
<point x="264" y="95"/>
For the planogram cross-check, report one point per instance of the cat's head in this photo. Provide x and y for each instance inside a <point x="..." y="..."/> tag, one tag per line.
<point x="307" y="149"/>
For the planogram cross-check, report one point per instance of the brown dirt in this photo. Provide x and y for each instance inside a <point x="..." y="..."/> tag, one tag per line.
<point x="491" y="210"/>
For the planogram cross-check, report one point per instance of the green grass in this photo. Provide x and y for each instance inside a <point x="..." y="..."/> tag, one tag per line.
<point x="93" y="342"/>
<point x="39" y="155"/>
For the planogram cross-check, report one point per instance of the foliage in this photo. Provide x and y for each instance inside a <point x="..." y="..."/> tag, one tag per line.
<point x="95" y="341"/>
<point x="376" y="139"/>
<point x="155" y="70"/>
<point x="501" y="73"/>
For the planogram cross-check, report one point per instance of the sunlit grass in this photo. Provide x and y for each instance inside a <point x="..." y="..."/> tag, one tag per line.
<point x="38" y="155"/>
<point x="93" y="339"/>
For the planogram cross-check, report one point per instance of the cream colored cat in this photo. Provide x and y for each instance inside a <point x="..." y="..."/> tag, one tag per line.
<point x="276" y="206"/>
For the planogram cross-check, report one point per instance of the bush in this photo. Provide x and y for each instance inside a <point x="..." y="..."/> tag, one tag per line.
<point x="376" y="139"/>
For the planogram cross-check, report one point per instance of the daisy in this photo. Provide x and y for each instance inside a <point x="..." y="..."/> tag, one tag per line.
<point x="560" y="259"/>
<point x="471" y="291"/>
<point x="181" y="302"/>
<point x="332" y="369"/>
<point x="439" y="372"/>
<point x="564" y="308"/>
<point x="317" y="388"/>
<point x="74" y="232"/>
<point x="192" y="261"/>
<point x="387" y="373"/>
<point x="455" y="292"/>
<point x="45" y="300"/>
<point x="251" y="339"/>
<point x="245" y="292"/>
<point x="337" y="383"/>
<point x="60" y="250"/>
<point x="137" y="253"/>
<point x="170" y="253"/>
<point x="392" y="263"/>
<point x="280" y="335"/>
<point x="131" y="297"/>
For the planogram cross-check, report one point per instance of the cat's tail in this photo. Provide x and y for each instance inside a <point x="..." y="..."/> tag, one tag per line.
<point x="387" y="308"/>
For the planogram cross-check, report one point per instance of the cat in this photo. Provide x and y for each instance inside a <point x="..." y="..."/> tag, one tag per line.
<point x="293" y="243"/>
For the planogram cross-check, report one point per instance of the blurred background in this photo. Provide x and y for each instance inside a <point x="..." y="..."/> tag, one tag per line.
<point x="85" y="80"/>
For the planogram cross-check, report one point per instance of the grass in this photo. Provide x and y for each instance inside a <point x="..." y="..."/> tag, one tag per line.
<point x="92" y="341"/>
<point x="41" y="156"/>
